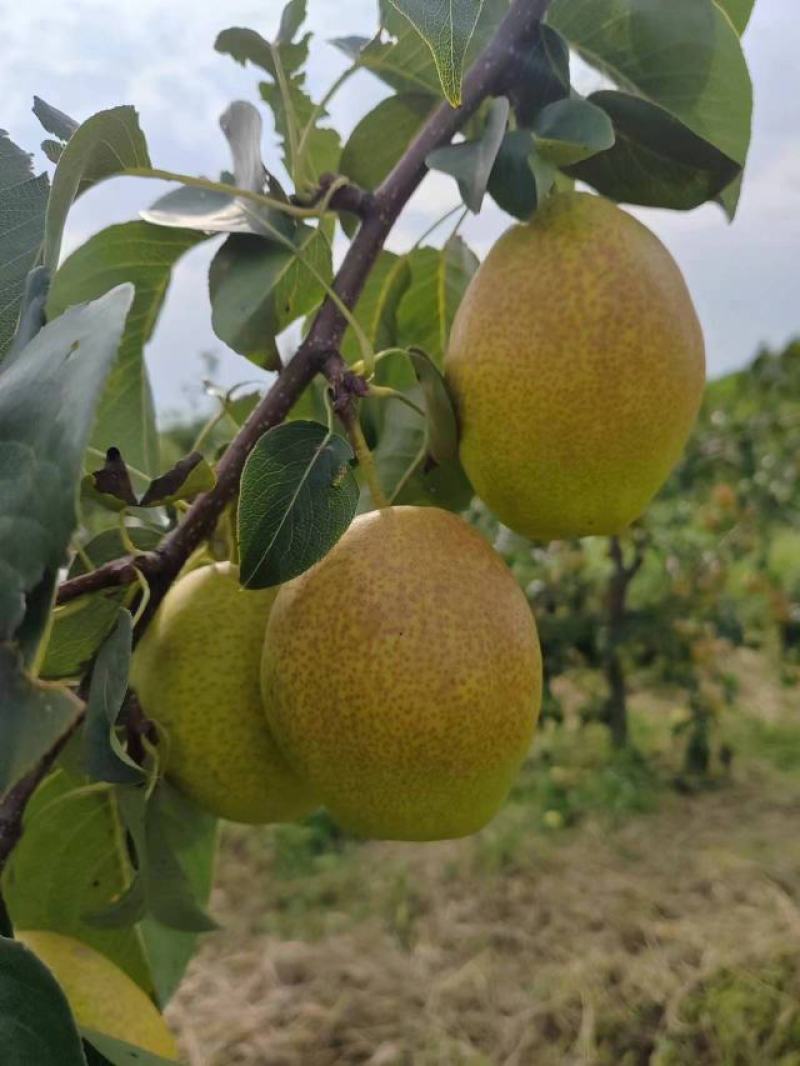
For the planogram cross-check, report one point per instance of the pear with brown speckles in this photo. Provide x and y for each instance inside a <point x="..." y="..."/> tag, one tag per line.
<point x="197" y="674"/>
<point x="577" y="365"/>
<point x="402" y="676"/>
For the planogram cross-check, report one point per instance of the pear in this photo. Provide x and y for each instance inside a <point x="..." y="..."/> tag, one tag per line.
<point x="401" y="676"/>
<point x="576" y="362"/>
<point x="196" y="673"/>
<point x="101" y="996"/>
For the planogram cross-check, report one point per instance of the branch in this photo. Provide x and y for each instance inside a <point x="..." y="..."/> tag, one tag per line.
<point x="500" y="65"/>
<point x="491" y="73"/>
<point x="348" y="197"/>
<point x="16" y="799"/>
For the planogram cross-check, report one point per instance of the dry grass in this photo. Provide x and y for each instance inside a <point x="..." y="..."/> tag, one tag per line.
<point x="668" y="938"/>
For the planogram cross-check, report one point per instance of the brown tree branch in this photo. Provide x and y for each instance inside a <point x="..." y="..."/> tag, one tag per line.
<point x="16" y="799"/>
<point x="491" y="73"/>
<point x="348" y="197"/>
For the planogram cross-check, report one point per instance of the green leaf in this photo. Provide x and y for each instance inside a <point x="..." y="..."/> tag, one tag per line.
<point x="380" y="139"/>
<point x="318" y="147"/>
<point x="729" y="197"/>
<point x="32" y="717"/>
<point x="192" y="836"/>
<point x="292" y="18"/>
<point x="36" y="1024"/>
<point x="439" y="278"/>
<point x="442" y="424"/>
<point x="739" y="12"/>
<point x="684" y="59"/>
<point x="405" y="62"/>
<point x="118" y="1053"/>
<point x="571" y="130"/>
<point x="311" y="406"/>
<point x="102" y="146"/>
<point x="144" y="255"/>
<point x="48" y="396"/>
<point x="471" y="162"/>
<point x="309" y="148"/>
<point x="32" y="315"/>
<point x="71" y="862"/>
<point x="80" y="627"/>
<point x="521" y="178"/>
<point x="241" y="123"/>
<point x="108" y="545"/>
<point x="298" y="496"/>
<point x="259" y="288"/>
<point x="544" y="76"/>
<point x="23" y="202"/>
<point x="106" y="759"/>
<point x="213" y="211"/>
<point x="205" y="210"/>
<point x="54" y="121"/>
<point x="187" y="478"/>
<point x="656" y="161"/>
<point x="446" y="28"/>
<point x="377" y="305"/>
<point x="403" y="454"/>
<point x="167" y="892"/>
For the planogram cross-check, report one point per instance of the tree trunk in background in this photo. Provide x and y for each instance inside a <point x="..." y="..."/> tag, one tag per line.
<point x="616" y="708"/>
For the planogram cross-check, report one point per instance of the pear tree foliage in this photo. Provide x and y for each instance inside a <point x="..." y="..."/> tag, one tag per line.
<point x="100" y="510"/>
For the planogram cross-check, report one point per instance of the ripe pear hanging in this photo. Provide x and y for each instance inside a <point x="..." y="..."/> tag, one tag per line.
<point x="402" y="676"/>
<point x="196" y="673"/>
<point x="576" y="361"/>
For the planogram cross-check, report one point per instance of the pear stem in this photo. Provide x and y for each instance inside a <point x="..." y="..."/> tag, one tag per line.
<point x="366" y="461"/>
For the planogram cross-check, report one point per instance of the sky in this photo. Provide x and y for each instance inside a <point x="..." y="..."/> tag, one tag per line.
<point x="85" y="55"/>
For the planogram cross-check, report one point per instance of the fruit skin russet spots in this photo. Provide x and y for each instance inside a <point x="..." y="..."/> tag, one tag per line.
<point x="577" y="364"/>
<point x="196" y="673"/>
<point x="402" y="676"/>
<point x="100" y="995"/>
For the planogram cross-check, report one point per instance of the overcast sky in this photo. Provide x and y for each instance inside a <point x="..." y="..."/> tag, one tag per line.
<point x="85" y="55"/>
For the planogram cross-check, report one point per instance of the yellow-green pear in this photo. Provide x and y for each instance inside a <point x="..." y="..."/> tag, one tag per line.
<point x="196" y="672"/>
<point x="101" y="996"/>
<point x="402" y="676"/>
<point x="577" y="365"/>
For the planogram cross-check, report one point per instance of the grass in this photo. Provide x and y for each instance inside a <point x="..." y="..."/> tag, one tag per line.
<point x="602" y="918"/>
<point x="738" y="1017"/>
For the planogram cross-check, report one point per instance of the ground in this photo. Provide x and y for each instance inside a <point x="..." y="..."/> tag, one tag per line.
<point x="605" y="917"/>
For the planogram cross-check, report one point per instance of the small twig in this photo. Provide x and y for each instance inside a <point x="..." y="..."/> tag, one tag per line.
<point x="435" y="225"/>
<point x="138" y="728"/>
<point x="410" y="470"/>
<point x="347" y="197"/>
<point x="116" y="574"/>
<point x="12" y="807"/>
<point x="346" y="388"/>
<point x="384" y="392"/>
<point x="366" y="460"/>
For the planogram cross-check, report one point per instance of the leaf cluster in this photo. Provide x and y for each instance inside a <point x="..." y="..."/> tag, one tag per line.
<point x="110" y="853"/>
